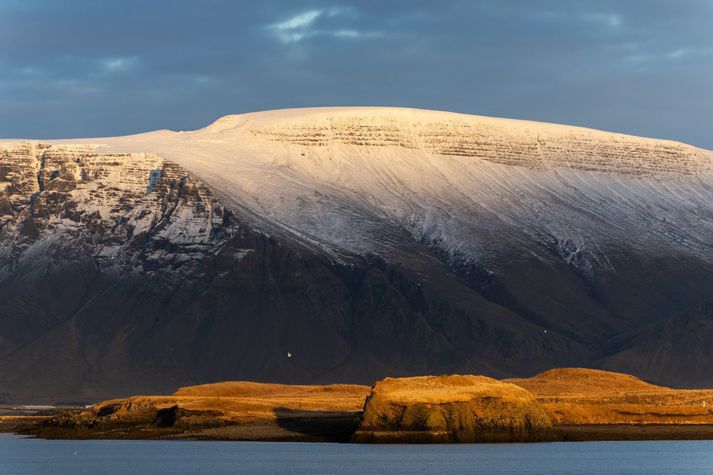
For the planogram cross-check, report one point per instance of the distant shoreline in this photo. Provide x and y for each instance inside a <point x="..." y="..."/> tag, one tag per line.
<point x="568" y="404"/>
<point x="633" y="432"/>
<point x="270" y="433"/>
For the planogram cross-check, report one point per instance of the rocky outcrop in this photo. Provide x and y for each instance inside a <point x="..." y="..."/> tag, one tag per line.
<point x="131" y="211"/>
<point x="451" y="409"/>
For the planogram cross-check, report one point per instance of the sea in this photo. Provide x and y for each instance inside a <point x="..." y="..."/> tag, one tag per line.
<point x="25" y="456"/>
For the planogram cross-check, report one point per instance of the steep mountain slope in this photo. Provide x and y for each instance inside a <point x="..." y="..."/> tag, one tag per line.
<point x="365" y="242"/>
<point x="679" y="348"/>
<point x="121" y="273"/>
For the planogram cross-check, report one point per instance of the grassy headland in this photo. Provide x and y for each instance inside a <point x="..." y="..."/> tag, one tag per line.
<point x="560" y="404"/>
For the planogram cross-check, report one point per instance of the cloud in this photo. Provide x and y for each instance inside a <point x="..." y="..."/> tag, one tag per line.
<point x="355" y="34"/>
<point x="676" y="54"/>
<point x="611" y="20"/>
<point x="118" y="64"/>
<point x="303" y="25"/>
<point x="296" y="28"/>
<point x="608" y="20"/>
<point x="639" y="58"/>
<point x="682" y="53"/>
<point x="679" y="53"/>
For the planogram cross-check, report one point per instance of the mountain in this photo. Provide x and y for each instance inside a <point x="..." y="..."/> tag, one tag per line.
<point x="348" y="244"/>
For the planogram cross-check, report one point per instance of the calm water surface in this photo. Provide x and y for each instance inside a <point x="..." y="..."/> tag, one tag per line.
<point x="19" y="456"/>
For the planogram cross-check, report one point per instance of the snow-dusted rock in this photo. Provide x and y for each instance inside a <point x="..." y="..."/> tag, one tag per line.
<point x="365" y="242"/>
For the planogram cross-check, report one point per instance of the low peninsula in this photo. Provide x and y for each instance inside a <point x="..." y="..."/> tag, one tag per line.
<point x="568" y="404"/>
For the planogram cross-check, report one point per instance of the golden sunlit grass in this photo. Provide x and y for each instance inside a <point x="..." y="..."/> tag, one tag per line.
<point x="417" y="409"/>
<point x="440" y="389"/>
<point x="246" y="401"/>
<point x="585" y="396"/>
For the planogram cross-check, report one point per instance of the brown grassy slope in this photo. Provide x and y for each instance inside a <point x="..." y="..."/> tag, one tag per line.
<point x="450" y="408"/>
<point x="586" y="396"/>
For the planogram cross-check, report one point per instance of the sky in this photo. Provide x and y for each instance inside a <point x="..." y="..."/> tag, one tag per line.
<point x="82" y="68"/>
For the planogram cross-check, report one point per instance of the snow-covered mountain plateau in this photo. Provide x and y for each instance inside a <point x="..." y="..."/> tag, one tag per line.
<point x="364" y="242"/>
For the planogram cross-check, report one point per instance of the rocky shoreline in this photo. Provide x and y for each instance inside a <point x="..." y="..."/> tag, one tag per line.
<point x="559" y="405"/>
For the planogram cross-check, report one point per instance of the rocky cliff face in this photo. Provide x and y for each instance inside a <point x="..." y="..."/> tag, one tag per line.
<point x="121" y="273"/>
<point x="451" y="409"/>
<point x="89" y="241"/>
<point x="125" y="211"/>
<point x="362" y="242"/>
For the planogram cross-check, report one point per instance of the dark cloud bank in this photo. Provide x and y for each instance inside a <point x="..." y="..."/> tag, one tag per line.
<point x="86" y="67"/>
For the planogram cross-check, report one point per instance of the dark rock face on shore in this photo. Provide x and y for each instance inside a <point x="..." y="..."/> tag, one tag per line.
<point x="451" y="409"/>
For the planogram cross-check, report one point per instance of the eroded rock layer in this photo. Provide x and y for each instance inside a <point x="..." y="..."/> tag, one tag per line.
<point x="495" y="140"/>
